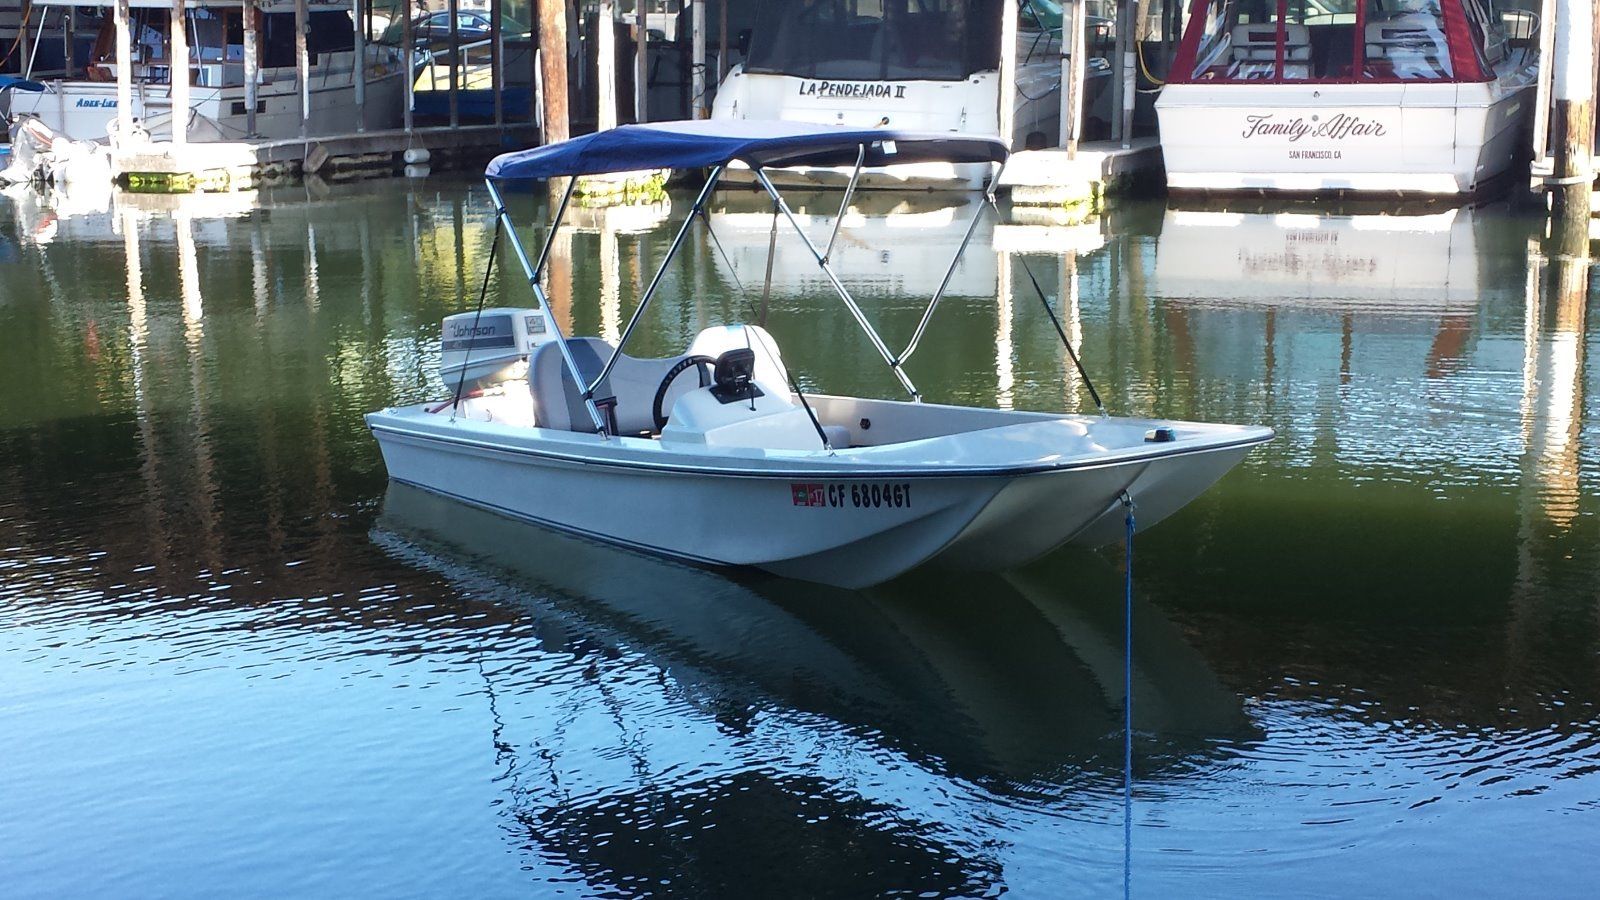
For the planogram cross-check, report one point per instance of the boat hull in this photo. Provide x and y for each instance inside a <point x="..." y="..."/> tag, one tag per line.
<point x="850" y="526"/>
<point x="970" y="105"/>
<point x="1438" y="139"/>
<point x="87" y="110"/>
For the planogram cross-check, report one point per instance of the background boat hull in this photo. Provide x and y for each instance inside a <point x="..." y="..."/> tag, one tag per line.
<point x="1430" y="139"/>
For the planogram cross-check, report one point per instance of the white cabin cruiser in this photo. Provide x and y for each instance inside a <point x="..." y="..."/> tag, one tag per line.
<point x="743" y="468"/>
<point x="83" y="105"/>
<point x="910" y="65"/>
<point x="1426" y="97"/>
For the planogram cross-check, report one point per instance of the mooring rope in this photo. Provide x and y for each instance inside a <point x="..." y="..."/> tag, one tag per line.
<point x="1127" y="703"/>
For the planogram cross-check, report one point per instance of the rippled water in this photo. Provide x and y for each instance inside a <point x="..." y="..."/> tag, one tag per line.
<point x="234" y="661"/>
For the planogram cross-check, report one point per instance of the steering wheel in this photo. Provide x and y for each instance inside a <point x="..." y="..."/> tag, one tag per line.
<point x="705" y="364"/>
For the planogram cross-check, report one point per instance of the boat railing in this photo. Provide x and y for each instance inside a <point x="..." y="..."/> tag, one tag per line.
<point x="1043" y="40"/>
<point x="469" y="59"/>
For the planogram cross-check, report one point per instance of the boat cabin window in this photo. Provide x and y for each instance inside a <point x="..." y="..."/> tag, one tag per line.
<point x="1343" y="41"/>
<point x="328" y="32"/>
<point x="148" y="32"/>
<point x="860" y="40"/>
<point x="216" y="43"/>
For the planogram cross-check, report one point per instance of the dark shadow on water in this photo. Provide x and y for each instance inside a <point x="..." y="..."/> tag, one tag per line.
<point x="815" y="839"/>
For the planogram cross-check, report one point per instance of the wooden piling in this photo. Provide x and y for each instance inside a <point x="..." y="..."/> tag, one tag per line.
<point x="124" y="70"/>
<point x="1127" y="69"/>
<point x="1074" y="70"/>
<point x="177" y="72"/>
<point x="1008" y="70"/>
<point x="408" y="40"/>
<point x="606" y="66"/>
<point x="252" y="66"/>
<point x="497" y="74"/>
<point x="1542" y="90"/>
<point x="302" y="62"/>
<point x="553" y="68"/>
<point x="1572" y="127"/>
<point x="697" y="61"/>
<point x="641" y="75"/>
<point x="454" y="8"/>
<point x="359" y="72"/>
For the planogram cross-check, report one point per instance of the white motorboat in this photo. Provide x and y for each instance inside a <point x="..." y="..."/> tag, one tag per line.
<point x="1428" y="97"/>
<point x="83" y="105"/>
<point x="744" y="468"/>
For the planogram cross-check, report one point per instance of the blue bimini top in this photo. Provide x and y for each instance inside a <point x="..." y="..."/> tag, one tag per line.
<point x="756" y="143"/>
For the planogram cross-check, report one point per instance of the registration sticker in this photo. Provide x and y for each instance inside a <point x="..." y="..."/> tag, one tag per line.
<point x="858" y="495"/>
<point x="808" y="495"/>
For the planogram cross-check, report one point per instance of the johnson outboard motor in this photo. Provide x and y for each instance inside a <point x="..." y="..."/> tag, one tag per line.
<point x="31" y="143"/>
<point x="482" y="349"/>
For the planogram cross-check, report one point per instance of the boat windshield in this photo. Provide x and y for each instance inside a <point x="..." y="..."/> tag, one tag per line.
<point x="937" y="40"/>
<point x="216" y="43"/>
<point x="1346" y="41"/>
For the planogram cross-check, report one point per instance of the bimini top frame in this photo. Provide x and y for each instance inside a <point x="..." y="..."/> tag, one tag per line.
<point x="714" y="145"/>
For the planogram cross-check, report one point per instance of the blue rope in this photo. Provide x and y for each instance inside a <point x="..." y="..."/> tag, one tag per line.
<point x="1127" y="707"/>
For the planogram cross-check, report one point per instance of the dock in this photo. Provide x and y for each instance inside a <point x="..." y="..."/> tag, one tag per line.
<point x="239" y="165"/>
<point x="1076" y="182"/>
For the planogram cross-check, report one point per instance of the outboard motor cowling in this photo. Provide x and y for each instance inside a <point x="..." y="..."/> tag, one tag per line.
<point x="479" y="350"/>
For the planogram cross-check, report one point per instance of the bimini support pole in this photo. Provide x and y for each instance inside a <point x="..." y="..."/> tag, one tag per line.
<point x="533" y="272"/>
<point x="844" y="204"/>
<point x="655" y="281"/>
<point x="838" y="287"/>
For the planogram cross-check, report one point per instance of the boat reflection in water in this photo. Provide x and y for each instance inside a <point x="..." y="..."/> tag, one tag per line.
<point x="1420" y="264"/>
<point x="1004" y="683"/>
<point x="889" y="246"/>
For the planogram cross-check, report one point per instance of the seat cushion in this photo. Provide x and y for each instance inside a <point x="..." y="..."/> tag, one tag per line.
<point x="557" y="398"/>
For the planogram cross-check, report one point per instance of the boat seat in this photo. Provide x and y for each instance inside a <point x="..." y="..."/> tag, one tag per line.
<point x="558" y="399"/>
<point x="715" y="341"/>
<point x="1408" y="46"/>
<point x="1255" y="51"/>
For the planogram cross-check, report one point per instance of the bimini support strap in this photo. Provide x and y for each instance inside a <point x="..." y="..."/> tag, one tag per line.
<point x="483" y="294"/>
<point x="1077" y="363"/>
<point x="533" y="272"/>
<point x="1065" y="341"/>
<point x="838" y="287"/>
<point x="734" y="271"/>
<point x="655" y="282"/>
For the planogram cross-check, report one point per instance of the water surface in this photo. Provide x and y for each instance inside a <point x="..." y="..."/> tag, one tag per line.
<point x="233" y="660"/>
